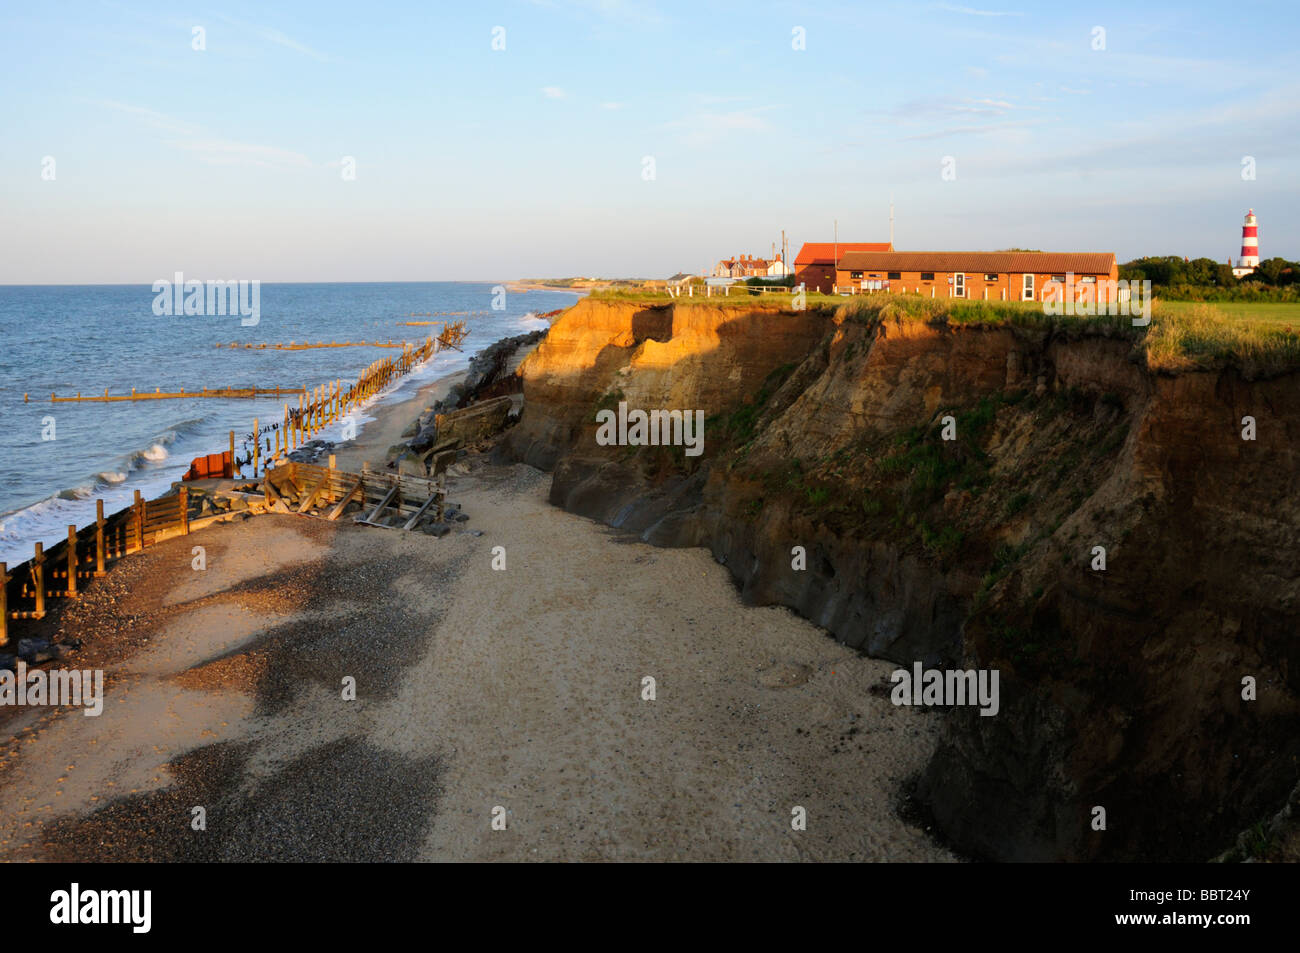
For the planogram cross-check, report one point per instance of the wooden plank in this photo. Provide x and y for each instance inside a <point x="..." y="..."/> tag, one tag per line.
<point x="38" y="577"/>
<point x="269" y="492"/>
<point x="310" y="498"/>
<point x="375" y="512"/>
<point x="72" y="559"/>
<point x="419" y="513"/>
<point x="99" y="537"/>
<point x="347" y="497"/>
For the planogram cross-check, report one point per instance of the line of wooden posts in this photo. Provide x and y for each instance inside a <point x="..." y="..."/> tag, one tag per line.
<point x="307" y="346"/>
<point x="326" y="405"/>
<point x="82" y="556"/>
<point x="145" y="521"/>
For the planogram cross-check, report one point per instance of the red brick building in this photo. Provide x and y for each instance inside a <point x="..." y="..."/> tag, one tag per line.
<point x="814" y="266"/>
<point x="992" y="276"/>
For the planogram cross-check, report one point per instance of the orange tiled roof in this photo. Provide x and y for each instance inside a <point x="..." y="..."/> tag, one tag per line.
<point x="823" y="253"/>
<point x="1001" y="262"/>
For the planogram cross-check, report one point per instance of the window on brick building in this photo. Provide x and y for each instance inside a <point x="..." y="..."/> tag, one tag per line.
<point x="927" y="276"/>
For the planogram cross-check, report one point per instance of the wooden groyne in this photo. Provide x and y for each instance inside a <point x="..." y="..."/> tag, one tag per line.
<point x="386" y="499"/>
<point x="322" y="406"/>
<point x="445" y="314"/>
<point x="307" y="346"/>
<point x="227" y="393"/>
<point x="393" y="501"/>
<point x="59" y="572"/>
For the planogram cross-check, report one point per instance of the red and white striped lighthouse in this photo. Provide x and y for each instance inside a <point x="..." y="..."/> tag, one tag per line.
<point x="1249" y="243"/>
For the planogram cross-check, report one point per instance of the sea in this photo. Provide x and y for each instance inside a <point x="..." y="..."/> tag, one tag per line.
<point x="57" y="459"/>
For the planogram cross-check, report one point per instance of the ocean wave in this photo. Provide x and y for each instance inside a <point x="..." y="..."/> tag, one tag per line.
<point x="154" y="454"/>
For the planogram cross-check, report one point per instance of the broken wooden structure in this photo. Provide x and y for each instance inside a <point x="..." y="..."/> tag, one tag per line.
<point x="375" y="498"/>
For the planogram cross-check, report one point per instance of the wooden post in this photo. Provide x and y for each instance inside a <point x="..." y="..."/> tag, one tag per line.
<point x="38" y="576"/>
<point x="277" y="443"/>
<point x="72" y="560"/>
<point x="298" y="422"/>
<point x="257" y="447"/>
<point x="138" y="507"/>
<point x="234" y="467"/>
<point x="4" y="604"/>
<point x="99" y="537"/>
<point x="185" y="510"/>
<point x="331" y="461"/>
<point x="287" y="448"/>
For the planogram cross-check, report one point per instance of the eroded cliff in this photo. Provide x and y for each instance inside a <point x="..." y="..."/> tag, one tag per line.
<point x="1120" y="688"/>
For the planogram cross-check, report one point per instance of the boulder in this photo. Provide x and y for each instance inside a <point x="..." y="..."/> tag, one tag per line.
<point x="475" y="423"/>
<point x="439" y="461"/>
<point x="411" y="464"/>
<point x="29" y="648"/>
<point x="425" y="438"/>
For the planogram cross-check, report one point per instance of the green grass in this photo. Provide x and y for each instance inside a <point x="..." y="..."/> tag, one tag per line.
<point x="1260" y="338"/>
<point x="1185" y="336"/>
<point x="1263" y="312"/>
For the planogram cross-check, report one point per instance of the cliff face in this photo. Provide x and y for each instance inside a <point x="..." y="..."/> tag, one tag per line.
<point x="1120" y="688"/>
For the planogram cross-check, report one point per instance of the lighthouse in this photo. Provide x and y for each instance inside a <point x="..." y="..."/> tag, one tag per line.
<point x="1249" y="259"/>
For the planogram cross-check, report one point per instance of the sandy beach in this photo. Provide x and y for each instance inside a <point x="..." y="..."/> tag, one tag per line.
<point x="476" y="689"/>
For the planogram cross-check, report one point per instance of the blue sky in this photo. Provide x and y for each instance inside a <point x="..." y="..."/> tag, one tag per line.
<point x="475" y="163"/>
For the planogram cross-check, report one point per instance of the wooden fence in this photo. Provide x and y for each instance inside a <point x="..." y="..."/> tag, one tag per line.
<point x="390" y="500"/>
<point x="60" y="572"/>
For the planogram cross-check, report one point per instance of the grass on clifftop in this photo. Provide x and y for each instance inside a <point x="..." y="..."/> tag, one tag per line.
<point x="741" y="297"/>
<point x="1182" y="336"/>
<point x="1260" y="339"/>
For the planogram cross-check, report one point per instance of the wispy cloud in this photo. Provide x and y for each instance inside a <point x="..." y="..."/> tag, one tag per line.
<point x="707" y="127"/>
<point x="276" y="37"/>
<point x="154" y="119"/>
<point x="232" y="152"/>
<point x="982" y="129"/>
<point x="214" y="150"/>
<point x="618" y="11"/>
<point x="553" y="92"/>
<point x="954" y="106"/>
<point x="971" y="11"/>
<point x="611" y="105"/>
